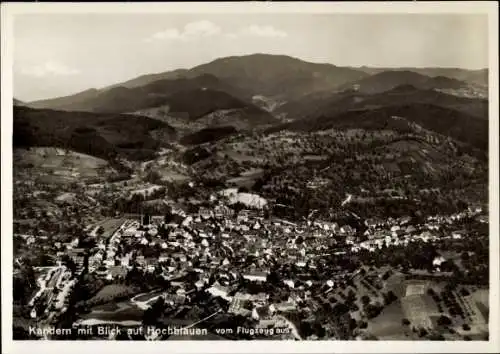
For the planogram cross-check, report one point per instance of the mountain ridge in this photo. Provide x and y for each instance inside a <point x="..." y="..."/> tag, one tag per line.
<point x="338" y="101"/>
<point x="263" y="74"/>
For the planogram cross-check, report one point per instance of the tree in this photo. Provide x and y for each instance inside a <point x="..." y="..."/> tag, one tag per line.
<point x="390" y="297"/>
<point x="68" y="262"/>
<point x="422" y="332"/>
<point x="319" y="330"/>
<point x="464" y="292"/>
<point x="365" y="300"/>
<point x="351" y="296"/>
<point x="436" y="336"/>
<point x="466" y="327"/>
<point x="405" y="322"/>
<point x="151" y="315"/>
<point x="443" y="321"/>
<point x="305" y="329"/>
<point x="340" y="309"/>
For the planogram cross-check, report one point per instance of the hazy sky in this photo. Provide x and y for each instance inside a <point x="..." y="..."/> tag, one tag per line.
<point x="58" y="55"/>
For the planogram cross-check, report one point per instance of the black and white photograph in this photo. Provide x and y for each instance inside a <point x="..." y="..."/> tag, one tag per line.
<point x="210" y="175"/>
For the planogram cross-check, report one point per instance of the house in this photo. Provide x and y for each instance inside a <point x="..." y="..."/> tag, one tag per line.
<point x="241" y="305"/>
<point x="425" y="236"/>
<point x="164" y="257"/>
<point x="140" y="260"/>
<point x="398" y="233"/>
<point x="125" y="261"/>
<point x="218" y="290"/>
<point x="369" y="245"/>
<point x="405" y="220"/>
<point x="223" y="212"/>
<point x="259" y="299"/>
<point x="263" y="312"/>
<point x="77" y="255"/>
<point x="482" y="219"/>
<point x="438" y="261"/>
<point x="433" y="226"/>
<point x="187" y="221"/>
<point x="410" y="229"/>
<point x="242" y="216"/>
<point x="373" y="223"/>
<point x="179" y="256"/>
<point x="130" y="232"/>
<point x="116" y="272"/>
<point x="256" y="276"/>
<point x="200" y="284"/>
<point x="458" y="234"/>
<point x="286" y="306"/>
<point x="174" y="299"/>
<point x="205" y="213"/>
<point x="290" y="283"/>
<point x="347" y="230"/>
<point x="350" y="240"/>
<point x="395" y="228"/>
<point x="157" y="219"/>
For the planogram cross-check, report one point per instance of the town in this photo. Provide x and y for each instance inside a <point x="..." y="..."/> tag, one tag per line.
<point x="222" y="267"/>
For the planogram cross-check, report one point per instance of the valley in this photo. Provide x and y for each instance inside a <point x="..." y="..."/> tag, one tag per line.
<point x="260" y="192"/>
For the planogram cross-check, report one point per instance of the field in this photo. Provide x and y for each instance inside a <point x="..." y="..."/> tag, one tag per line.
<point x="110" y="292"/>
<point x="168" y="174"/>
<point x="247" y="178"/>
<point x="388" y="324"/>
<point x="60" y="165"/>
<point x="108" y="307"/>
<point x="110" y="226"/>
<point x="148" y="296"/>
<point x="119" y="312"/>
<point x="403" y="152"/>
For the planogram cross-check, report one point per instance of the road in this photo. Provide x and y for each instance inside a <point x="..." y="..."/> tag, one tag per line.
<point x="347" y="200"/>
<point x="203" y="319"/>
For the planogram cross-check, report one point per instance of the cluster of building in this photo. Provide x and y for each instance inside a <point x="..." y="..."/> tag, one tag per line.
<point x="232" y="255"/>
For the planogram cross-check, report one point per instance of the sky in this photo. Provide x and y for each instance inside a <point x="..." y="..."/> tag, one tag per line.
<point x="61" y="54"/>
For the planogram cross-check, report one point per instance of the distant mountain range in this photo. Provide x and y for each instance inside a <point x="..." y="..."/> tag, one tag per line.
<point x="275" y="75"/>
<point x="121" y="99"/>
<point x="387" y="80"/>
<point x="234" y="93"/>
<point x="478" y="77"/>
<point x="243" y="77"/>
